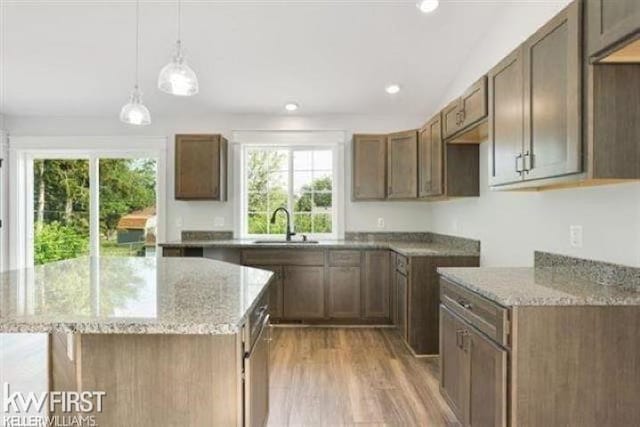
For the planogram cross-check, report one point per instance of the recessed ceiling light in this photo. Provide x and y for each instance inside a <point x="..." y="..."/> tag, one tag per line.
<point x="392" y="89"/>
<point x="428" y="6"/>
<point x="291" y="106"/>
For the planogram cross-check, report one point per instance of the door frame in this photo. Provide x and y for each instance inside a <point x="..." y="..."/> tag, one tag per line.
<point x="22" y="152"/>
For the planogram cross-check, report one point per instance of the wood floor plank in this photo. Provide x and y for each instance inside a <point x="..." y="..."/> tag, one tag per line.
<point x="352" y="377"/>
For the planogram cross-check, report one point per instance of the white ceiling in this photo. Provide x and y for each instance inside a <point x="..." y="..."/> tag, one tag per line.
<point x="68" y="58"/>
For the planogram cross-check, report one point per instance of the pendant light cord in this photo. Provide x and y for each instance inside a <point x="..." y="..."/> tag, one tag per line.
<point x="137" y="43"/>
<point x="179" y="21"/>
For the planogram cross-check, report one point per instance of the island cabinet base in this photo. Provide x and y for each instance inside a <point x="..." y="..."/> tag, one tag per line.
<point x="153" y="380"/>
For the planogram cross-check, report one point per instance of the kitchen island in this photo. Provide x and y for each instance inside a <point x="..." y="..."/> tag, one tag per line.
<point x="170" y="341"/>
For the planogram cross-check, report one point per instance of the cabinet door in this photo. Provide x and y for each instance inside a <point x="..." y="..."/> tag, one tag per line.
<point x="376" y="284"/>
<point x="506" y="116"/>
<point x="473" y="104"/>
<point x="402" y="304"/>
<point x="369" y="167"/>
<point x="200" y="163"/>
<point x="431" y="159"/>
<point x="454" y="364"/>
<point x="393" y="291"/>
<point x="275" y="291"/>
<point x="451" y="122"/>
<point x="552" y="97"/>
<point x="344" y="292"/>
<point x="488" y="380"/>
<point x="303" y="292"/>
<point x="402" y="168"/>
<point x="610" y="22"/>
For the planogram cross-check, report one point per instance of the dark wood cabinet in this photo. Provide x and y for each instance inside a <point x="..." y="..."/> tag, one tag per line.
<point x="535" y="98"/>
<point x="402" y="165"/>
<point x="506" y="120"/>
<point x="466" y="111"/>
<point x="375" y="285"/>
<point x="344" y="292"/>
<point x="473" y="373"/>
<point x="201" y="167"/>
<point x="369" y="177"/>
<point x="276" y="294"/>
<point x="454" y="364"/>
<point x="552" y="98"/>
<point x="611" y="24"/>
<point x="303" y="289"/>
<point x="402" y="295"/>
<point x="487" y="392"/>
<point x="431" y="159"/>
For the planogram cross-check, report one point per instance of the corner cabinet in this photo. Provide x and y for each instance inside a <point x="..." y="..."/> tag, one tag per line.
<point x="431" y="159"/>
<point x="369" y="167"/>
<point x="611" y="23"/>
<point x="535" y="105"/>
<point x="201" y="167"/>
<point x="402" y="165"/>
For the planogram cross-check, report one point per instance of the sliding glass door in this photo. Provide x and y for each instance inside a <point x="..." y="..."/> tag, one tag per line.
<point x="101" y="205"/>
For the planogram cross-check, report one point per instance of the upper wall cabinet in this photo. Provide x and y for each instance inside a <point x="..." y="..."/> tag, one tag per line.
<point x="535" y="105"/>
<point x="201" y="167"/>
<point x="402" y="165"/>
<point x="612" y="24"/>
<point x="467" y="111"/>
<point x="431" y="159"/>
<point x="369" y="167"/>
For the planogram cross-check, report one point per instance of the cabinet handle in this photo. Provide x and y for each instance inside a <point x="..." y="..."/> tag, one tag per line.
<point x="528" y="161"/>
<point x="466" y="341"/>
<point x="459" y="338"/>
<point x="463" y="115"/>
<point x="519" y="168"/>
<point x="465" y="305"/>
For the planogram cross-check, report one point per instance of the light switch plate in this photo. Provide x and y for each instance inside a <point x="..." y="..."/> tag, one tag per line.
<point x="575" y="236"/>
<point x="380" y="222"/>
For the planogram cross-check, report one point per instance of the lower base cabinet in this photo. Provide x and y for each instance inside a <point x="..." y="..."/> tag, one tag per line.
<point x="473" y="373"/>
<point x="275" y="291"/>
<point x="303" y="289"/>
<point x="401" y="305"/>
<point x="344" y="292"/>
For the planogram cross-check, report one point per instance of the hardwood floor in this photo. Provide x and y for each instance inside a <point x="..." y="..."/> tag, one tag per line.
<point x="349" y="377"/>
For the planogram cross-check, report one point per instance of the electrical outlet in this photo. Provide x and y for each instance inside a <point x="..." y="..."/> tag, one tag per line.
<point x="218" y="221"/>
<point x="575" y="236"/>
<point x="380" y="222"/>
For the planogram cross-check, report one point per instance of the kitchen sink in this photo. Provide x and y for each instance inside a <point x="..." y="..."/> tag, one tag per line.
<point x="284" y="242"/>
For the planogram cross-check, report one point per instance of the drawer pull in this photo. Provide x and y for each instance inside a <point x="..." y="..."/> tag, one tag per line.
<point x="465" y="304"/>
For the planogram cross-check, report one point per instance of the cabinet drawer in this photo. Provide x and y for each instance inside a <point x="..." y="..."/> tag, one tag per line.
<point x="256" y="318"/>
<point x="344" y="258"/>
<point x="489" y="317"/>
<point x="402" y="264"/>
<point x="282" y="257"/>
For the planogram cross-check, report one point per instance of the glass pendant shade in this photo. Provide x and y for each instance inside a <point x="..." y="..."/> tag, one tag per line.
<point x="135" y="113"/>
<point x="177" y="78"/>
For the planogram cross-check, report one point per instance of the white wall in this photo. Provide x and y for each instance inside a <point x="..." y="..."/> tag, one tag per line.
<point x="512" y="225"/>
<point x="361" y="216"/>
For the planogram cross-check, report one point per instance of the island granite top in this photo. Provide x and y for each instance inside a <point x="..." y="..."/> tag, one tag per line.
<point x="406" y="248"/>
<point x="130" y="296"/>
<point x="539" y="286"/>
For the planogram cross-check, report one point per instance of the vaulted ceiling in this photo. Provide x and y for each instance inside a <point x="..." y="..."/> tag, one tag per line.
<point x="68" y="58"/>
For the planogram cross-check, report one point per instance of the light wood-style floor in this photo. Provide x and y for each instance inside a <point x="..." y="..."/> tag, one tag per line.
<point x="347" y="377"/>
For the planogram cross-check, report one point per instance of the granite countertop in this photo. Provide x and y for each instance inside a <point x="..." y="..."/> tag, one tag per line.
<point x="130" y="296"/>
<point x="406" y="248"/>
<point x="539" y="286"/>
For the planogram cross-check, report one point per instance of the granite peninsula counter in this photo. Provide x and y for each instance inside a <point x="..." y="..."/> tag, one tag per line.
<point x="171" y="341"/>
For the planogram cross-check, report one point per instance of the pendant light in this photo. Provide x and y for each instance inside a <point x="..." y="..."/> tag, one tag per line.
<point x="135" y="113"/>
<point x="177" y="78"/>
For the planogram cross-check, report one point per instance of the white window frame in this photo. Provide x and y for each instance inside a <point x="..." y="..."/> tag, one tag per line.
<point x="293" y="141"/>
<point x="24" y="150"/>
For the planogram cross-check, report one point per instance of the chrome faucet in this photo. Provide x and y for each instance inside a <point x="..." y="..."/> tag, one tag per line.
<point x="273" y="221"/>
